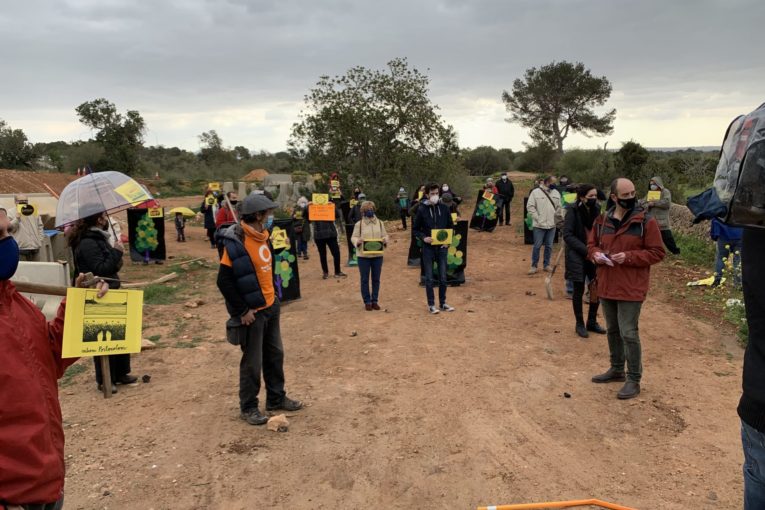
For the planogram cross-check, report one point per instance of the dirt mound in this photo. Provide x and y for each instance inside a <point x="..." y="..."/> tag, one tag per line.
<point x="19" y="181"/>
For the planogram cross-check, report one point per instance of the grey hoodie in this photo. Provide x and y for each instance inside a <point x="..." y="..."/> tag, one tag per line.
<point x="659" y="209"/>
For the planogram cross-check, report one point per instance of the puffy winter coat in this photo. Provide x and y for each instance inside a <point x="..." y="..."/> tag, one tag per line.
<point x="575" y="233"/>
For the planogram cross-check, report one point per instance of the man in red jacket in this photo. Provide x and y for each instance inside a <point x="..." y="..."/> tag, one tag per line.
<point x="624" y="244"/>
<point x="31" y="435"/>
<point x="226" y="215"/>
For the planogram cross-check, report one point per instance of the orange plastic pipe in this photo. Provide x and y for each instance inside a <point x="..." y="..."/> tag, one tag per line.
<point x="557" y="504"/>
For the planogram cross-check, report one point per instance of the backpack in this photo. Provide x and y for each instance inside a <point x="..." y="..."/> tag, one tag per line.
<point x="737" y="196"/>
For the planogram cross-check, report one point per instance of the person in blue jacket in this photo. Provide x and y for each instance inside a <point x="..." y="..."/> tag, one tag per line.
<point x="728" y="241"/>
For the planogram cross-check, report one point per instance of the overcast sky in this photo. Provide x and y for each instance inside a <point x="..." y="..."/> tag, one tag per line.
<point x="681" y="70"/>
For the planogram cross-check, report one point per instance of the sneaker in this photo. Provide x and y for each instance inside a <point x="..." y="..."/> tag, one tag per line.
<point x="114" y="388"/>
<point x="447" y="308"/>
<point x="287" y="404"/>
<point x="325" y="276"/>
<point x="340" y="275"/>
<point x="127" y="379"/>
<point x="254" y="417"/>
<point x="533" y="270"/>
<point x="432" y="309"/>
<point x="548" y="269"/>
<point x="375" y="306"/>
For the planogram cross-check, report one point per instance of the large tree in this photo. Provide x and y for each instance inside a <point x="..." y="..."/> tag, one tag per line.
<point x="373" y="124"/>
<point x="121" y="136"/>
<point x="15" y="149"/>
<point x="559" y="99"/>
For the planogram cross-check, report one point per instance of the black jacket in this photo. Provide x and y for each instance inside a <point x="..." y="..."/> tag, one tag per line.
<point x="326" y="229"/>
<point x="354" y="215"/>
<point x="239" y="284"/>
<point x="575" y="236"/>
<point x="430" y="217"/>
<point x="751" y="408"/>
<point x="506" y="189"/>
<point x="95" y="255"/>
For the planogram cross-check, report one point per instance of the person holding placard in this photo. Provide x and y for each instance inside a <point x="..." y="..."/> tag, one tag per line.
<point x="208" y="210"/>
<point x="31" y="434"/>
<point x="325" y="236"/>
<point x="433" y="215"/>
<point x="27" y="228"/>
<point x="370" y="238"/>
<point x="657" y="204"/>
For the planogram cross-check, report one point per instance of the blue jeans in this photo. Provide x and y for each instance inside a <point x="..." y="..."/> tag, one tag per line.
<point x="437" y="255"/>
<point x="302" y="246"/>
<point x="370" y="265"/>
<point x="753" y="442"/>
<point x="722" y="254"/>
<point x="542" y="236"/>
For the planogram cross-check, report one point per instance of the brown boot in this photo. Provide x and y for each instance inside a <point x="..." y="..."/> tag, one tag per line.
<point x="630" y="389"/>
<point x="610" y="375"/>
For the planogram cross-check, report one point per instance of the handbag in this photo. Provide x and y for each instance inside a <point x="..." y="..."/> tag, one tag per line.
<point x="593" y="288"/>
<point x="236" y="332"/>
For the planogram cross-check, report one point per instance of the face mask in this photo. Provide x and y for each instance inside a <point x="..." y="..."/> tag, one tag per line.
<point x="269" y="222"/>
<point x="369" y="214"/>
<point x="504" y="177"/>
<point x="234" y="202"/>
<point x="592" y="203"/>
<point x="627" y="203"/>
<point x="433" y="199"/>
<point x="654" y="187"/>
<point x="9" y="258"/>
<point x="445" y="188"/>
<point x="552" y="187"/>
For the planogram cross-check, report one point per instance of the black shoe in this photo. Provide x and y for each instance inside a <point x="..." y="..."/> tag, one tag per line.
<point x="596" y="328"/>
<point x="254" y="417"/>
<point x="610" y="375"/>
<point x="287" y="404"/>
<point x="127" y="379"/>
<point x="325" y="276"/>
<point x="582" y="331"/>
<point x="340" y="275"/>
<point x="630" y="390"/>
<point x="114" y="388"/>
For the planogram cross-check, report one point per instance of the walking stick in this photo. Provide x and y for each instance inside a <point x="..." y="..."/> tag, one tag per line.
<point x="548" y="278"/>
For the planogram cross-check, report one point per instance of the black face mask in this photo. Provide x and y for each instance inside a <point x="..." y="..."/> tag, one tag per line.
<point x="592" y="203"/>
<point x="627" y="203"/>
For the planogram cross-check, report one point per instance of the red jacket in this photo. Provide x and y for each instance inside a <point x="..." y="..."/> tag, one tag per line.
<point x="640" y="240"/>
<point x="223" y="216"/>
<point x="31" y="435"/>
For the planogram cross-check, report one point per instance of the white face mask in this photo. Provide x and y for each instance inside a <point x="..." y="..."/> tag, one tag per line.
<point x="433" y="199"/>
<point x="504" y="177"/>
<point x="445" y="188"/>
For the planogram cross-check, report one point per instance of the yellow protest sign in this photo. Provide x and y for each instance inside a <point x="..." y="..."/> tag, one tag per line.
<point x="109" y="325"/>
<point x="441" y="236"/>
<point x="26" y="209"/>
<point x="654" y="196"/>
<point x="210" y="200"/>
<point x="569" y="198"/>
<point x="488" y="195"/>
<point x="419" y="195"/>
<point x="156" y="212"/>
<point x="454" y="217"/>
<point x="214" y="186"/>
<point x="279" y="238"/>
<point x="320" y="198"/>
<point x="372" y="246"/>
<point x="132" y="192"/>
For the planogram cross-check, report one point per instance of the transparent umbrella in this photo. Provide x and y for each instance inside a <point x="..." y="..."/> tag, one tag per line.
<point x="96" y="193"/>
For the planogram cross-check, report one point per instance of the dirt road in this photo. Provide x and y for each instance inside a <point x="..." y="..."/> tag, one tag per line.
<point x="450" y="411"/>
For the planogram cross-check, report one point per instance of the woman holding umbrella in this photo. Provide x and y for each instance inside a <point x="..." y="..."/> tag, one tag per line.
<point x="89" y="239"/>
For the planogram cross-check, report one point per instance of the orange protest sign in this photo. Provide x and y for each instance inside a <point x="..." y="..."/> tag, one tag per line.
<point x="321" y="212"/>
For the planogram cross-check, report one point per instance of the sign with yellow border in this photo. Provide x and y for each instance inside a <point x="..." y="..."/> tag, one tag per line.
<point x="156" y="212"/>
<point x="654" y="196"/>
<point x="320" y="198"/>
<point x="441" y="236"/>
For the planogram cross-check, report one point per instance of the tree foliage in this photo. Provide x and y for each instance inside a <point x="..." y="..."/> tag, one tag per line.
<point x="374" y="126"/>
<point x="121" y="136"/>
<point x="537" y="158"/>
<point x="557" y="100"/>
<point x="631" y="160"/>
<point x="486" y="160"/>
<point x="15" y="149"/>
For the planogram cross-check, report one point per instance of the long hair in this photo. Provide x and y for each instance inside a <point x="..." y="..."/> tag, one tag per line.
<point x="80" y="227"/>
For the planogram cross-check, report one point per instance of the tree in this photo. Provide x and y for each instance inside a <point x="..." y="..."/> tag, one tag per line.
<point x="537" y="158"/>
<point x="242" y="152"/>
<point x="373" y="124"/>
<point x="15" y="149"/>
<point x="485" y="160"/>
<point x="631" y="160"/>
<point x="557" y="100"/>
<point x="120" y="136"/>
<point x="213" y="152"/>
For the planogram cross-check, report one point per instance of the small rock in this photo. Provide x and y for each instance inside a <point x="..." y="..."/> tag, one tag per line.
<point x="529" y="293"/>
<point x="199" y="302"/>
<point x="146" y="378"/>
<point x="147" y="345"/>
<point x="567" y="394"/>
<point x="187" y="316"/>
<point x="191" y="304"/>
<point x="354" y="333"/>
<point x="107" y="493"/>
<point x="278" y="423"/>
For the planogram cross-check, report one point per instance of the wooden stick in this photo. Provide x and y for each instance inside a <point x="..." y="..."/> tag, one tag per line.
<point x="185" y="262"/>
<point x="106" y="376"/>
<point x="557" y="504"/>
<point x="163" y="279"/>
<point x="56" y="290"/>
<point x="50" y="190"/>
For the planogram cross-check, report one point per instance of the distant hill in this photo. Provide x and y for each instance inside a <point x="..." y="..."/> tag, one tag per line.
<point x="700" y="148"/>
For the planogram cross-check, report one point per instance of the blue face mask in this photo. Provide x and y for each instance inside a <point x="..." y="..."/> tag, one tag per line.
<point x="369" y="214"/>
<point x="269" y="222"/>
<point x="9" y="258"/>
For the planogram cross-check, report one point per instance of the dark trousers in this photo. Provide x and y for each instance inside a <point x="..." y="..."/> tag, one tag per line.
<point x="623" y="336"/>
<point x="576" y="299"/>
<point x="181" y="235"/>
<point x="302" y="246"/>
<point x="58" y="505"/>
<point x="404" y="214"/>
<point x="669" y="241"/>
<point x="438" y="255"/>
<point x="367" y="266"/>
<point x="334" y="249"/>
<point x="119" y="366"/>
<point x="262" y="351"/>
<point x="211" y="235"/>
<point x="503" y="212"/>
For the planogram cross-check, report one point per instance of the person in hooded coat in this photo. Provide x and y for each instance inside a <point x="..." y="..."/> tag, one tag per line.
<point x="659" y="210"/>
<point x="579" y="219"/>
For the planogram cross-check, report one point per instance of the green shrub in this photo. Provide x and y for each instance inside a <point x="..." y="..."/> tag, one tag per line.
<point x="696" y="251"/>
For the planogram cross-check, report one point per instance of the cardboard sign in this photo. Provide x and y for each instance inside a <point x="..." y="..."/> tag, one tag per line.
<point x="441" y="236"/>
<point x="454" y="217"/>
<point x="214" y="186"/>
<point x="372" y="247"/>
<point x="654" y="196"/>
<point x="569" y="198"/>
<point x="132" y="192"/>
<point x="354" y="202"/>
<point x="156" y="212"/>
<point x="488" y="195"/>
<point x="279" y="238"/>
<point x="26" y="209"/>
<point x="320" y="198"/>
<point x="96" y="327"/>
<point x="321" y="212"/>
<point x="210" y="200"/>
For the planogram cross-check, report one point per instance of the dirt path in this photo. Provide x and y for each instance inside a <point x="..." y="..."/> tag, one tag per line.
<point x="453" y="411"/>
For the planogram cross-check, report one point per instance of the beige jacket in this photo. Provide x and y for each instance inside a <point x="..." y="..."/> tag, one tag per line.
<point x="27" y="230"/>
<point x="545" y="213"/>
<point x="366" y="229"/>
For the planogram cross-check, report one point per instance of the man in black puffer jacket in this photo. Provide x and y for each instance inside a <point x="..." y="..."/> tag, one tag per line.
<point x="507" y="192"/>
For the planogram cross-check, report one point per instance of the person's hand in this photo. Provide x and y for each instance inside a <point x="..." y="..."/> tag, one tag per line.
<point x="601" y="258"/>
<point x="101" y="285"/>
<point x="249" y="317"/>
<point x="428" y="240"/>
<point x="119" y="246"/>
<point x="619" y="258"/>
